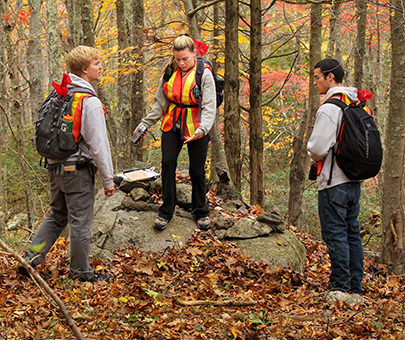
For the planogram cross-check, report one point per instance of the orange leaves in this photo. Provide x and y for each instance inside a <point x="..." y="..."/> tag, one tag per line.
<point x="204" y="290"/>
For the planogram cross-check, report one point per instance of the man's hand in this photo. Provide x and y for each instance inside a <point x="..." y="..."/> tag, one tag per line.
<point x="109" y="191"/>
<point x="193" y="137"/>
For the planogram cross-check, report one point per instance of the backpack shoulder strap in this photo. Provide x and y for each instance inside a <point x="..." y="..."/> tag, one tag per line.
<point x="201" y="65"/>
<point x="336" y="102"/>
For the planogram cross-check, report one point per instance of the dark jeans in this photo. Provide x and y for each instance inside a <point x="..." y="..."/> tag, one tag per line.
<point x="197" y="153"/>
<point x="338" y="211"/>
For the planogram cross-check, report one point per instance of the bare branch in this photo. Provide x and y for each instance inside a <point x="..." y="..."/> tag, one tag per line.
<point x="66" y="314"/>
<point x="285" y="81"/>
<point x="208" y="4"/>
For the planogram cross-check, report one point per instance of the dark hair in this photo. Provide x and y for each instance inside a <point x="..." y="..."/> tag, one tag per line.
<point x="330" y="65"/>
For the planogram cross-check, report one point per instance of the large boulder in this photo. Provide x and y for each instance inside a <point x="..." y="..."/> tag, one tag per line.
<point x="126" y="219"/>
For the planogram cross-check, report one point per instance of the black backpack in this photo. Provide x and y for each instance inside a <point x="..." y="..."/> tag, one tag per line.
<point x="358" y="148"/>
<point x="202" y="63"/>
<point x="51" y="140"/>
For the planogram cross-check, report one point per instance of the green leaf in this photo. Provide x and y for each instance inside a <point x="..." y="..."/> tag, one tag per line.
<point x="37" y="248"/>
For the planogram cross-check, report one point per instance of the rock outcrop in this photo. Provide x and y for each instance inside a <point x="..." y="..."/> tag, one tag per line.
<point x="127" y="218"/>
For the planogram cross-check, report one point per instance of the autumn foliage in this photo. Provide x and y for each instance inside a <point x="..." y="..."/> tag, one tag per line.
<point x="204" y="289"/>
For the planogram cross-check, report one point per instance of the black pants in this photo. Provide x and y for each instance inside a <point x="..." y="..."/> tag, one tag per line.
<point x="197" y="153"/>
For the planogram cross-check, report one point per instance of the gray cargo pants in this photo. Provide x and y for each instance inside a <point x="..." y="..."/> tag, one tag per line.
<point x="72" y="201"/>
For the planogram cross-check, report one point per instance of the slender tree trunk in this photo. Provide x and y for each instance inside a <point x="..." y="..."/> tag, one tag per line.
<point x="255" y="99"/>
<point x="87" y="22"/>
<point x="232" y="133"/>
<point x="124" y="88"/>
<point x="138" y="92"/>
<point x="393" y="212"/>
<point x="191" y="19"/>
<point x="54" y="47"/>
<point x="3" y="134"/>
<point x="17" y="111"/>
<point x="35" y="59"/>
<point x="334" y="31"/>
<point x="359" y="50"/>
<point x="75" y="35"/>
<point x="300" y="159"/>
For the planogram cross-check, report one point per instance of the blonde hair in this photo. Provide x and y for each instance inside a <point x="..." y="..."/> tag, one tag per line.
<point x="81" y="56"/>
<point x="183" y="41"/>
<point x="179" y="44"/>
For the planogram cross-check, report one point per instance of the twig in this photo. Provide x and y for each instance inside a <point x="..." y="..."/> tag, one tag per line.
<point x="71" y="323"/>
<point x="227" y="303"/>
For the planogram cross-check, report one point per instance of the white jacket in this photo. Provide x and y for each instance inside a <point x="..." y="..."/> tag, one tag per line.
<point x="324" y="136"/>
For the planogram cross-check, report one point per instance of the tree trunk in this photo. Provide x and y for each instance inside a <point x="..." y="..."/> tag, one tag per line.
<point x="3" y="134"/>
<point x="255" y="99"/>
<point x="138" y="92"/>
<point x="299" y="163"/>
<point x="75" y="35"/>
<point x="334" y="31"/>
<point x="87" y="22"/>
<point x="232" y="133"/>
<point x="191" y="19"/>
<point x="54" y="47"/>
<point x="359" y="50"/>
<point x="35" y="59"/>
<point x="17" y="111"/>
<point x="393" y="222"/>
<point x="124" y="88"/>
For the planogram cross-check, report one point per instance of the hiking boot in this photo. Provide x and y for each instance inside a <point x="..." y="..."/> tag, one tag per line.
<point x="21" y="269"/>
<point x="161" y="223"/>
<point x="204" y="223"/>
<point x="96" y="278"/>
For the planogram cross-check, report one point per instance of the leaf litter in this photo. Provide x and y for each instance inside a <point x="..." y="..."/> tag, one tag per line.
<point x="205" y="289"/>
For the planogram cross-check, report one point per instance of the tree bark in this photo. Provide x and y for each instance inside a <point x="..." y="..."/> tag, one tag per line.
<point x="3" y="135"/>
<point x="17" y="111"/>
<point x="87" y="22"/>
<point x="255" y="113"/>
<point x="124" y="88"/>
<point x="393" y="204"/>
<point x="334" y="31"/>
<point x="35" y="59"/>
<point x="75" y="35"/>
<point x="138" y="92"/>
<point x="359" y="50"/>
<point x="232" y="133"/>
<point x="54" y="47"/>
<point x="300" y="161"/>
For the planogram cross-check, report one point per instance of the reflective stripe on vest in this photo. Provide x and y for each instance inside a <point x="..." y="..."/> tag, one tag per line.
<point x="76" y="112"/>
<point x="179" y="90"/>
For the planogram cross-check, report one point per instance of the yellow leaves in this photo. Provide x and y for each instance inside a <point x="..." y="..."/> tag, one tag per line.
<point x="234" y="333"/>
<point x="156" y="144"/>
<point x="107" y="79"/>
<point x="243" y="40"/>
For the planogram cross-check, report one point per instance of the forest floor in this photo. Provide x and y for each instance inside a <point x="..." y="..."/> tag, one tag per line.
<point x="203" y="289"/>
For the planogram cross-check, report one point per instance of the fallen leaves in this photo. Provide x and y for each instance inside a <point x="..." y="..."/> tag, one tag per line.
<point x="204" y="290"/>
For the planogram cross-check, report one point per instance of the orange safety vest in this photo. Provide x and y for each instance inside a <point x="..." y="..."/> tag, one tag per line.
<point x="76" y="112"/>
<point x="183" y="105"/>
<point x="345" y="99"/>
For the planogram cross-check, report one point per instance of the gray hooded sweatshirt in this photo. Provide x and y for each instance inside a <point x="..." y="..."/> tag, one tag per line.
<point x="324" y="136"/>
<point x="94" y="145"/>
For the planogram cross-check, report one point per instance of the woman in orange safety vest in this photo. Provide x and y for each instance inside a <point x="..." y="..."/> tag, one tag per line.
<point x="187" y="115"/>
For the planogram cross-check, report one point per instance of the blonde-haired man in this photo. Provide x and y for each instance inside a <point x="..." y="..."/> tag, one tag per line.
<point x="72" y="179"/>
